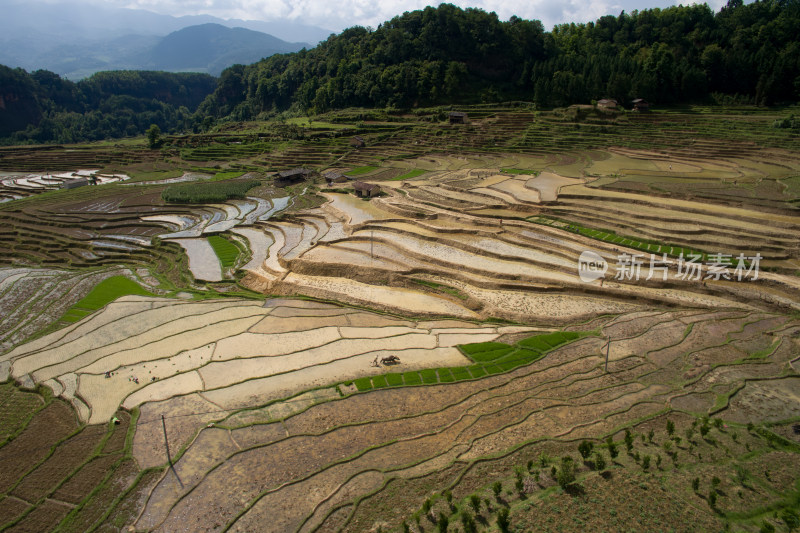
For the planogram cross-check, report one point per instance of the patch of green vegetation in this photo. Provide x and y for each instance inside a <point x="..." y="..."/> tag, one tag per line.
<point x="104" y="293"/>
<point x="526" y="172"/>
<point x="363" y="384"/>
<point x="218" y="191"/>
<point x="379" y="382"/>
<point x="226" y="251"/>
<point x="429" y="376"/>
<point x="222" y="176"/>
<point x="440" y="287"/>
<point x="412" y="378"/>
<point x="410" y="174"/>
<point x="394" y="379"/>
<point x="358" y="171"/>
<point x="445" y="376"/>
<point x="460" y="373"/>
<point x="631" y="242"/>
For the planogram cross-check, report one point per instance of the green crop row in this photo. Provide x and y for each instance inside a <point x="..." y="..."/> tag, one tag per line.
<point x="489" y="358"/>
<point x="226" y="251"/>
<point x="104" y="293"/>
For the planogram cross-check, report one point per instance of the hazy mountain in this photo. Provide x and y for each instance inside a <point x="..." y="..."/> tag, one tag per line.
<point x="77" y="40"/>
<point x="213" y="47"/>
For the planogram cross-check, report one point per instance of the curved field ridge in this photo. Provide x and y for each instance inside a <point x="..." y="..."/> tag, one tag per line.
<point x="235" y="352"/>
<point x="334" y="452"/>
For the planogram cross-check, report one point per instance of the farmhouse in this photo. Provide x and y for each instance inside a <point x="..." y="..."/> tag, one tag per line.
<point x="607" y="103"/>
<point x="366" y="190"/>
<point x="333" y="176"/>
<point x="75" y="183"/>
<point x="289" y="177"/>
<point x="358" y="142"/>
<point x="641" y="105"/>
<point x="456" y="117"/>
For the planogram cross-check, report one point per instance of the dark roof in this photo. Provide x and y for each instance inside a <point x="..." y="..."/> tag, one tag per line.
<point x="332" y="175"/>
<point x="294" y="172"/>
<point x="607" y="101"/>
<point x="359" y="139"/>
<point x="457" y="114"/>
<point x="361" y="186"/>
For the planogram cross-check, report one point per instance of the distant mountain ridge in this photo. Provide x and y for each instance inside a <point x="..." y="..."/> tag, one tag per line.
<point x="76" y="41"/>
<point x="212" y="47"/>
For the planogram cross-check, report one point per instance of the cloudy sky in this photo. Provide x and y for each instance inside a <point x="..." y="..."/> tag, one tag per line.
<point x="339" y="14"/>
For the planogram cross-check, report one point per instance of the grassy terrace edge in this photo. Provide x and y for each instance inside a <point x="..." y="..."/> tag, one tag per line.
<point x="488" y="358"/>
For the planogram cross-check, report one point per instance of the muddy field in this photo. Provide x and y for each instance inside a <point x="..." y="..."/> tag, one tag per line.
<point x="256" y="400"/>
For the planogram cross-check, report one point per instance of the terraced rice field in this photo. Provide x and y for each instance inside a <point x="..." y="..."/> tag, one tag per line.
<point x="245" y="348"/>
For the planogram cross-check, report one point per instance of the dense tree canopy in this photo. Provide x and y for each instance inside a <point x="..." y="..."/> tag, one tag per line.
<point x="446" y="54"/>
<point x="43" y="107"/>
<point x="442" y="55"/>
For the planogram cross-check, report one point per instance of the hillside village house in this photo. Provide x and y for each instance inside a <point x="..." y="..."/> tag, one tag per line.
<point x="290" y="177"/>
<point x="358" y="142"/>
<point x="456" y="117"/>
<point x="366" y="190"/>
<point x="607" y="103"/>
<point x="333" y="176"/>
<point x="641" y="105"/>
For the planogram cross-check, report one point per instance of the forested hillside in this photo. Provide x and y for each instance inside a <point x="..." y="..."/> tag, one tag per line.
<point x="438" y="56"/>
<point x="42" y="107"/>
<point x="449" y="55"/>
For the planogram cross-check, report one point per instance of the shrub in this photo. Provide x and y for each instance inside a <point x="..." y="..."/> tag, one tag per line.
<point x="468" y="523"/>
<point x="696" y="484"/>
<point x="646" y="462"/>
<point x="475" y="502"/>
<point x="670" y="427"/>
<point x="628" y="440"/>
<point x="502" y="520"/>
<point x="650" y="435"/>
<point x="566" y="475"/>
<point x="442" y="523"/>
<point x="599" y="461"/>
<point x="766" y="527"/>
<point x="585" y="449"/>
<point x="791" y="519"/>
<point x="497" y="488"/>
<point x="612" y="448"/>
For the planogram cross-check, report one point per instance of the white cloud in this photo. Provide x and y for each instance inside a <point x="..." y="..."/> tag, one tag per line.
<point x="345" y="13"/>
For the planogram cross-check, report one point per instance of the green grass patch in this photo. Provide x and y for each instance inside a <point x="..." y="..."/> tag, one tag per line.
<point x="524" y="171"/>
<point x="410" y="174"/>
<point x="460" y="373"/>
<point x="429" y="376"/>
<point x="631" y="242"/>
<point x="477" y="371"/>
<point x="379" y="382"/>
<point x="412" y="378"/>
<point x="394" y="379"/>
<point x="222" y="176"/>
<point x="440" y="287"/>
<point x="482" y="352"/>
<point x="363" y="384"/>
<point x="215" y="191"/>
<point x="225" y="250"/>
<point x="104" y="293"/>
<point x="360" y="170"/>
<point x="445" y="376"/>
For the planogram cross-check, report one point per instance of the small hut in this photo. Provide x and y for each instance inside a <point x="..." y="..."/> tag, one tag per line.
<point x="333" y="176"/>
<point x="457" y="117"/>
<point x="641" y="105"/>
<point x="290" y="177"/>
<point x="74" y="183"/>
<point x="358" y="142"/>
<point x="607" y="103"/>
<point x="366" y="190"/>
